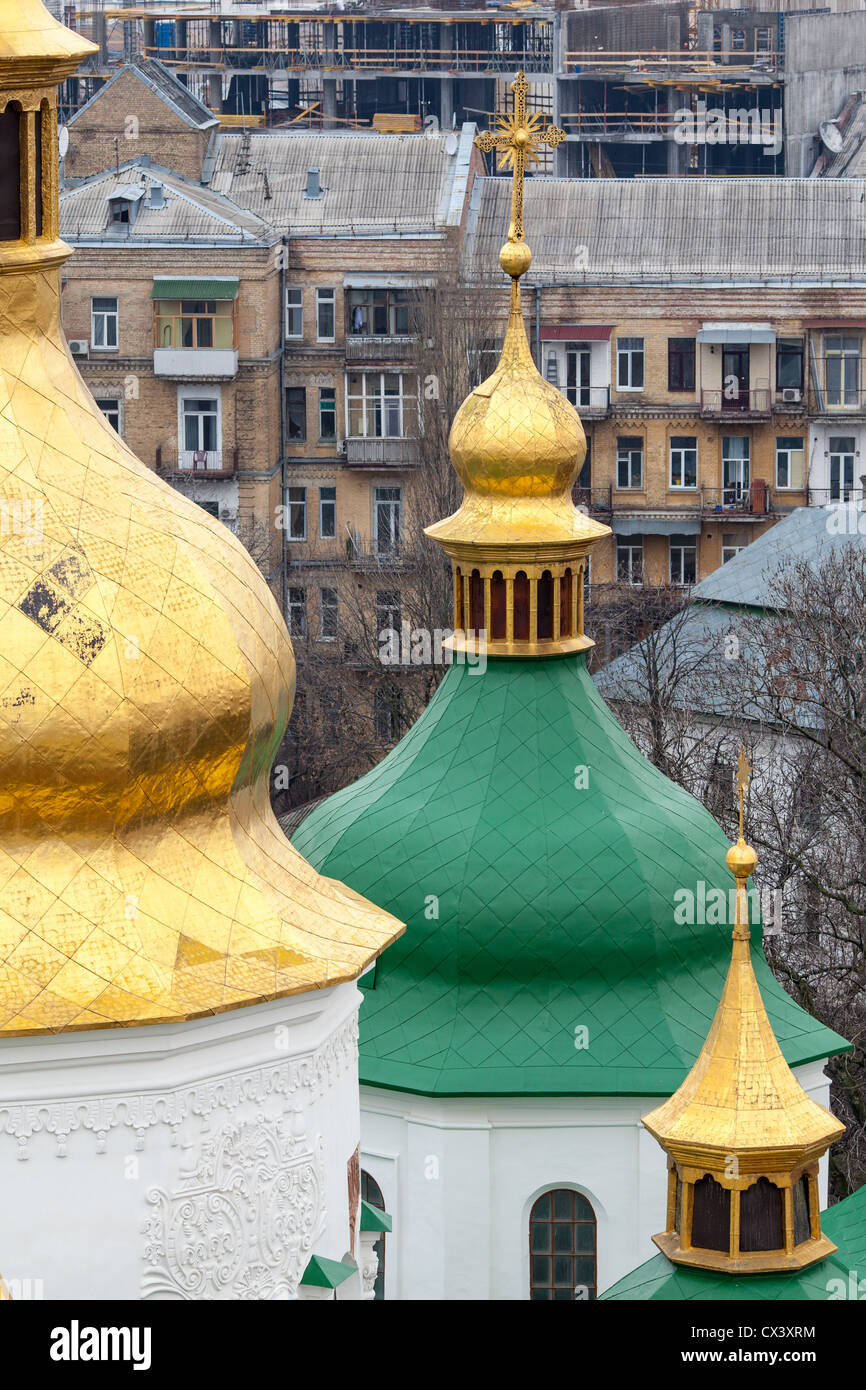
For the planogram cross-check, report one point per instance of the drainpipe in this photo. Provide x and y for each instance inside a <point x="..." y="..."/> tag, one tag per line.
<point x="538" y="327"/>
<point x="284" y="578"/>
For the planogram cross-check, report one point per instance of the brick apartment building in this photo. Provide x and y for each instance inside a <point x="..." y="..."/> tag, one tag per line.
<point x="711" y="335"/>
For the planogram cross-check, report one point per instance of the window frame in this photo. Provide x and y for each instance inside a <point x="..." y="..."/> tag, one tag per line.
<point x="786" y="440"/>
<point x="115" y="403"/>
<point x="324" y="502"/>
<point x="633" y="574"/>
<point x="787" y="348"/>
<point x="630" y="355"/>
<point x="201" y="392"/>
<point x="294" y="308"/>
<point x="293" y="605"/>
<point x="107" y="315"/>
<point x="395" y="506"/>
<point x="579" y="1202"/>
<point x="681" y="449"/>
<point x="301" y="503"/>
<point x="686" y="359"/>
<point x="326" y="297"/>
<point x="332" y="608"/>
<point x="302" y="437"/>
<point x="682" y="545"/>
<point x="627" y="445"/>
<point x="327" y="396"/>
<point x="196" y="317"/>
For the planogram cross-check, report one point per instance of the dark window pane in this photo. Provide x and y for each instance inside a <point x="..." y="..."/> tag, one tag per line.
<point x="802" y="1227"/>
<point x="540" y="1296"/>
<point x="563" y="1204"/>
<point x="540" y="1269"/>
<point x="540" y="1244"/>
<point x="10" y="177"/>
<point x="562" y="1271"/>
<point x="582" y="1210"/>
<point x="761" y="1217"/>
<point x="38" y="119"/>
<point x="563" y="1295"/>
<point x="584" y="1269"/>
<point x="711" y="1217"/>
<point x="563" y="1238"/>
<point x="541" y="1210"/>
<point x="584" y="1237"/>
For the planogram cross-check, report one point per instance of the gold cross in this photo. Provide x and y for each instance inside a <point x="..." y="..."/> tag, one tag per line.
<point x="744" y="773"/>
<point x="518" y="139"/>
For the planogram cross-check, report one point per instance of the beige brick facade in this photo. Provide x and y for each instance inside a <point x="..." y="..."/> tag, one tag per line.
<point x="129" y="120"/>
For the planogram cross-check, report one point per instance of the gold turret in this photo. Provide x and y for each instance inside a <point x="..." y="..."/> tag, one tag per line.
<point x="146" y="677"/>
<point x="742" y="1137"/>
<point x="518" y="545"/>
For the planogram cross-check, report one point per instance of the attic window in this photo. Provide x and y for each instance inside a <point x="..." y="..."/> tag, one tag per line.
<point x="123" y="206"/>
<point x="119" y="210"/>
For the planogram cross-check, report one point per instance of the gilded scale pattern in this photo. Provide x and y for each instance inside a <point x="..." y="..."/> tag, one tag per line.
<point x="146" y="678"/>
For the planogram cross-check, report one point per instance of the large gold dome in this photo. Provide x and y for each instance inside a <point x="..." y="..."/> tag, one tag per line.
<point x="146" y="678"/>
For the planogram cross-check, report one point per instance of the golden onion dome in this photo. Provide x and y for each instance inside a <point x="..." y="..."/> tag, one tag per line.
<point x="517" y="445"/>
<point x="146" y="678"/>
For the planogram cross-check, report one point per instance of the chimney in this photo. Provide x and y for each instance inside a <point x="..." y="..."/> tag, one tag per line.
<point x="155" y="196"/>
<point x="314" y="187"/>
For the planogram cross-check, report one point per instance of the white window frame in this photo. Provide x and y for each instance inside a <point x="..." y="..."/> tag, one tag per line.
<point x="681" y="583"/>
<point x="327" y="502"/>
<point x="107" y="315"/>
<point x="843" y="490"/>
<point x="296" y="606"/>
<point x="788" y="454"/>
<point x="621" y="453"/>
<point x="730" y="551"/>
<point x="115" y="404"/>
<point x="203" y="392"/>
<point x="740" y="488"/>
<point x="395" y="505"/>
<point x="295" y="502"/>
<point x="844" y="355"/>
<point x="323" y="298"/>
<point x="326" y="438"/>
<point x="680" y="450"/>
<point x="626" y="356"/>
<point x="634" y="545"/>
<point x="368" y="402"/>
<point x="330" y="607"/>
<point x="299" y="306"/>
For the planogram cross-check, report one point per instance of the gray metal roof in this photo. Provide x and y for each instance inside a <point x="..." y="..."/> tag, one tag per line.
<point x="371" y="183"/>
<point x="597" y="231"/>
<point x="189" y="213"/>
<point x="167" y="86"/>
<point x="808" y="533"/>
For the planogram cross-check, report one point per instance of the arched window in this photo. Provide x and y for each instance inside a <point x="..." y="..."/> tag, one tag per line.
<point x="544" y="621"/>
<point x="761" y="1222"/>
<point x="476" y="602"/>
<point x="711" y="1215"/>
<point x="10" y="174"/>
<point x="562" y="1247"/>
<point x="521" y="606"/>
<point x="565" y="593"/>
<point x="371" y="1192"/>
<point x="497" y="607"/>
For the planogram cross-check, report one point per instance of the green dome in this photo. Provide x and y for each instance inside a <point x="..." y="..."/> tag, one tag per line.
<point x="535" y="906"/>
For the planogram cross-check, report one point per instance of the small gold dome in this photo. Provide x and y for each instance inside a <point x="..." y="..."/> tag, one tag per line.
<point x="741" y="859"/>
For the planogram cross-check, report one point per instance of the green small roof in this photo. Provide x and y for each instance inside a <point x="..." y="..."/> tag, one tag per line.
<point x="220" y="287"/>
<point x="661" y="1281"/>
<point x="535" y="907"/>
<point x="374" y="1219"/>
<point x="326" y="1274"/>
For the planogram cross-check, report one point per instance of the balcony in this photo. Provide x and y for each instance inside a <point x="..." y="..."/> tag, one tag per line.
<point x="738" y="502"/>
<point x="213" y="464"/>
<point x="594" y="499"/>
<point x="591" y="402"/>
<point x="747" y="405"/>
<point x="362" y="452"/>
<point x="823" y="496"/>
<point x="379" y="561"/>
<point x="369" y="347"/>
<point x="190" y="364"/>
<point x="837" y="402"/>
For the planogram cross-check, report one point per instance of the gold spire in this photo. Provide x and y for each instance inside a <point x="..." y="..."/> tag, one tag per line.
<point x="742" y="1136"/>
<point x="146" y="677"/>
<point x="518" y="544"/>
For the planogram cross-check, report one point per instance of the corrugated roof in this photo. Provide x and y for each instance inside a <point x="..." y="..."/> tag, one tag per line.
<point x="370" y="182"/>
<point x="601" y="230"/>
<point x="189" y="212"/>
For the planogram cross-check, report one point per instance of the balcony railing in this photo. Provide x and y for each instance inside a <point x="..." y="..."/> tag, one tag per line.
<point x="376" y="453"/>
<point x="368" y="347"/>
<point x="379" y="560"/>
<point x="588" y="400"/>
<point x="837" y="401"/>
<point x="594" y="499"/>
<point x="744" y="501"/>
<point x="745" y="405"/>
<point x="822" y="496"/>
<point x="199" y="463"/>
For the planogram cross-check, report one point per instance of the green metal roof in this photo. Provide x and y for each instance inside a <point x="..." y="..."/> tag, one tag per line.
<point x="374" y="1219"/>
<point x="660" y="1281"/>
<point x="555" y="904"/>
<point x="219" y="288"/>
<point x="326" y="1274"/>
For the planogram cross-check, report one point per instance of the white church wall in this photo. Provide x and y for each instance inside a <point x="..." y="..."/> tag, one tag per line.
<point x="459" y="1178"/>
<point x="205" y="1159"/>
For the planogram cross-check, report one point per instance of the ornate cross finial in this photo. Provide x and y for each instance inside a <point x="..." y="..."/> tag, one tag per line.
<point x="518" y="138"/>
<point x="744" y="772"/>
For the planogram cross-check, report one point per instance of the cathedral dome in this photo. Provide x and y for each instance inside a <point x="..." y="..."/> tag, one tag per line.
<point x="146" y="678"/>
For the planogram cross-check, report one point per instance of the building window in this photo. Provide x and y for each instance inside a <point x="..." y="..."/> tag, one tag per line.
<point x="296" y="412"/>
<point x="119" y="212"/>
<point x="381" y="405"/>
<point x="297" y="514"/>
<point x="386" y="714"/>
<point x="103" y="324"/>
<point x="578" y="374"/>
<point x="684" y="461"/>
<point x="371" y="1193"/>
<point x="379" y="313"/>
<point x="842" y="370"/>
<point x="629" y="559"/>
<point x="110" y="408"/>
<point x="325" y="316"/>
<point x="10" y="173"/>
<point x="711" y="1215"/>
<point x="294" y="312"/>
<point x="738" y="40"/>
<point x="790" y="461"/>
<point x="732" y="544"/>
<point x="327" y="412"/>
<point x="681" y="364"/>
<point x="629" y="364"/>
<point x="327" y="513"/>
<point x="841" y="467"/>
<point x="195" y="323"/>
<point x="562" y="1248"/>
<point x="200" y="424"/>
<point x="388" y="610"/>
<point x="629" y="461"/>
<point x="763" y="40"/>
<point x="387" y="507"/>
<point x="327" y="614"/>
<point x="683" y="559"/>
<point x="789" y="364"/>
<point x="735" y="469"/>
<point x="297" y="612"/>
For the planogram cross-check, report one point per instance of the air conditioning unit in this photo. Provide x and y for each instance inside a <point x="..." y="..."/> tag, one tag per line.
<point x="79" y="347"/>
<point x="792" y="394"/>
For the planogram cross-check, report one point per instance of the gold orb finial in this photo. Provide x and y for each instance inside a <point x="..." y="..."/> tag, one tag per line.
<point x="515" y="258"/>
